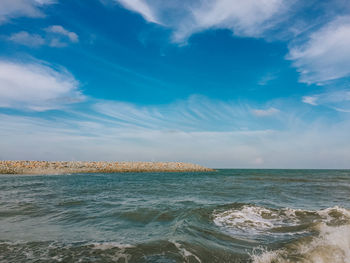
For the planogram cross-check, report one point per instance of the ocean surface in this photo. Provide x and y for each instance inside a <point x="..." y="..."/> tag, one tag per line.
<point x="223" y="216"/>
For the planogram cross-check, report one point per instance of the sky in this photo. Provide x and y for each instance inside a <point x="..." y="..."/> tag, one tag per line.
<point x="221" y="83"/>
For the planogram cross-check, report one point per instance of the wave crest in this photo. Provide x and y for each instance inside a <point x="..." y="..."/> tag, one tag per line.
<point x="319" y="236"/>
<point x="256" y="221"/>
<point x="332" y="244"/>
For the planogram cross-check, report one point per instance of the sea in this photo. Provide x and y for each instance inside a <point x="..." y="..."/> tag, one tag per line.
<point x="230" y="215"/>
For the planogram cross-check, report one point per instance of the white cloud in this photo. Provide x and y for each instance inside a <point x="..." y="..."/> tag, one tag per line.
<point x="267" y="112"/>
<point x="73" y="37"/>
<point x="24" y="38"/>
<point x="325" y="55"/>
<point x="15" y="8"/>
<point x="141" y="7"/>
<point x="312" y="100"/>
<point x="55" y="36"/>
<point x="243" y="18"/>
<point x="35" y="86"/>
<point x="267" y="78"/>
<point x="338" y="100"/>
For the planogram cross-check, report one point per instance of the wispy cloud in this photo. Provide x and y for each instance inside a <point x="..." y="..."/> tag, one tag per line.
<point x="338" y="100"/>
<point x="54" y="36"/>
<point x="60" y="30"/>
<point x="267" y="78"/>
<point x="24" y="38"/>
<point x="36" y="86"/>
<point x="141" y="7"/>
<point x="248" y="18"/>
<point x="197" y="113"/>
<point x="267" y="112"/>
<point x="325" y="55"/>
<point x="312" y="100"/>
<point x="16" y="8"/>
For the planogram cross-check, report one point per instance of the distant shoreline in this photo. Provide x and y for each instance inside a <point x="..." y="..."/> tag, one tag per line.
<point x="70" y="167"/>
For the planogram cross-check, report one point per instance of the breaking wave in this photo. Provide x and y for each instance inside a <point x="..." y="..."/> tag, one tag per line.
<point x="331" y="245"/>
<point x="320" y="236"/>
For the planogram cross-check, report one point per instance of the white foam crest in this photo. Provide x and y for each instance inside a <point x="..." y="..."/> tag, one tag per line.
<point x="330" y="213"/>
<point x="255" y="220"/>
<point x="261" y="255"/>
<point x="332" y="245"/>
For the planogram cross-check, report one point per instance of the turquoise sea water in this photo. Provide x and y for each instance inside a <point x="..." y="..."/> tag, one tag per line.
<point x="222" y="216"/>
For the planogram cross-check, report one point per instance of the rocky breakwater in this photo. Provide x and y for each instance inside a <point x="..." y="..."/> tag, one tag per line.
<point x="45" y="167"/>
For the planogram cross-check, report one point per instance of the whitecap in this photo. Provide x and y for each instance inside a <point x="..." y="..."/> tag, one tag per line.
<point x="253" y="220"/>
<point x="256" y="221"/>
<point x="331" y="245"/>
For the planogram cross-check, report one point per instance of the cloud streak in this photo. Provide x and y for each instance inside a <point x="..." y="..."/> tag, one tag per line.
<point x="264" y="113"/>
<point x="197" y="113"/>
<point x="338" y="100"/>
<point x="249" y="18"/>
<point x="141" y="7"/>
<point x="325" y="55"/>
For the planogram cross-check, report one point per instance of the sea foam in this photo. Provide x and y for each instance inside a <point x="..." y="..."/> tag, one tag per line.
<point x="325" y="239"/>
<point x="331" y="245"/>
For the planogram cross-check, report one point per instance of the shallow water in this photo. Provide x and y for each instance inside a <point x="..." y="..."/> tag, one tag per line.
<point x="223" y="216"/>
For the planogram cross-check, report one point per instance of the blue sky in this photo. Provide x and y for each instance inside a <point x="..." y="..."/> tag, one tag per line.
<point x="224" y="83"/>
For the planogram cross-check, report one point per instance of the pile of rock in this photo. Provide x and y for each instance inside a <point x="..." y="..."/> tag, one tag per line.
<point x="45" y="167"/>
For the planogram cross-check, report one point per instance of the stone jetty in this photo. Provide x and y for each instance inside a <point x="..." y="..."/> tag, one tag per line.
<point x="45" y="167"/>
